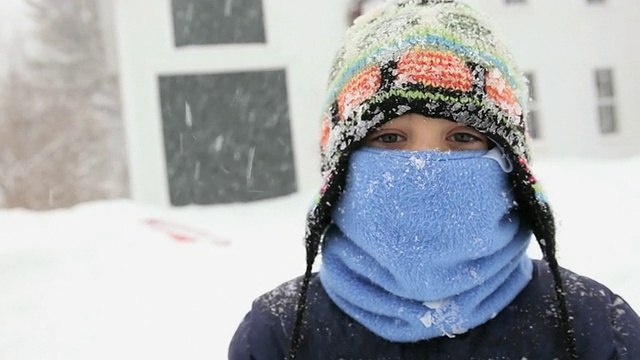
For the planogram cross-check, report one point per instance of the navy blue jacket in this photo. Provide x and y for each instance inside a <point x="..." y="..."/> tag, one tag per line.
<point x="606" y="327"/>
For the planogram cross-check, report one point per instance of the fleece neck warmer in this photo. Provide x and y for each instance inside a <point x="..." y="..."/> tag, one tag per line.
<point x="424" y="243"/>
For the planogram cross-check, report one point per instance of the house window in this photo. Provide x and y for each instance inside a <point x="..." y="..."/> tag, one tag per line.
<point x="607" y="114"/>
<point x="533" y="117"/>
<point x="532" y="124"/>
<point x="606" y="104"/>
<point x="206" y="22"/>
<point x="227" y="139"/>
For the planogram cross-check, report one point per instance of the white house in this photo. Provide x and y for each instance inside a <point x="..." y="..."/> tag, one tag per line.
<point x="583" y="59"/>
<point x="286" y="50"/>
<point x="222" y="98"/>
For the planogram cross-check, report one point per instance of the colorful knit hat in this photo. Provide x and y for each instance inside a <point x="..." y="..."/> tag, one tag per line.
<point x="440" y="59"/>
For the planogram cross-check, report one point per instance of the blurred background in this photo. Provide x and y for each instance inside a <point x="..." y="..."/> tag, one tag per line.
<point x="157" y="158"/>
<point x="61" y="127"/>
<point x="205" y="102"/>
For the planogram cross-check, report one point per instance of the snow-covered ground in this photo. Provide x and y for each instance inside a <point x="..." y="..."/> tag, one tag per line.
<point x="119" y="280"/>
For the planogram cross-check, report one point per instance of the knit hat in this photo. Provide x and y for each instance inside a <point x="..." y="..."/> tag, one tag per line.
<point x="440" y="59"/>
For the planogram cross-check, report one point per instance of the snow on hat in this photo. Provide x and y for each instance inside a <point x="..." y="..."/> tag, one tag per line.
<point x="437" y="58"/>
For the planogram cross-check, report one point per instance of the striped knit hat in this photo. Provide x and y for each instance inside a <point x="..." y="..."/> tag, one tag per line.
<point x="440" y="59"/>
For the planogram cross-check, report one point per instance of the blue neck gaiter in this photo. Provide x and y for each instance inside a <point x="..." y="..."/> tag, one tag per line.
<point x="424" y="243"/>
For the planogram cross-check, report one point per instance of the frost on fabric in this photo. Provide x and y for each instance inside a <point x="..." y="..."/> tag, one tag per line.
<point x="282" y="299"/>
<point x="618" y="314"/>
<point x="402" y="109"/>
<point x="443" y="315"/>
<point x="389" y="179"/>
<point x="576" y="286"/>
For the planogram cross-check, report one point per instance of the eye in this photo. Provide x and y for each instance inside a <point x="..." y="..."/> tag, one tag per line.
<point x="389" y="138"/>
<point x="464" y="137"/>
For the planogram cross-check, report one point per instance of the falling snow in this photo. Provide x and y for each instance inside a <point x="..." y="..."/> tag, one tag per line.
<point x="77" y="275"/>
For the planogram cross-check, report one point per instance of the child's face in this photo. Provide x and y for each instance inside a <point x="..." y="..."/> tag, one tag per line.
<point x="417" y="132"/>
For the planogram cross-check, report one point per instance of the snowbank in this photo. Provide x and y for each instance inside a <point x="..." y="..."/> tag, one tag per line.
<point x="120" y="280"/>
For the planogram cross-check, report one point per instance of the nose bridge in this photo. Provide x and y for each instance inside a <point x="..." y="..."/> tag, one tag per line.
<point x="428" y="137"/>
